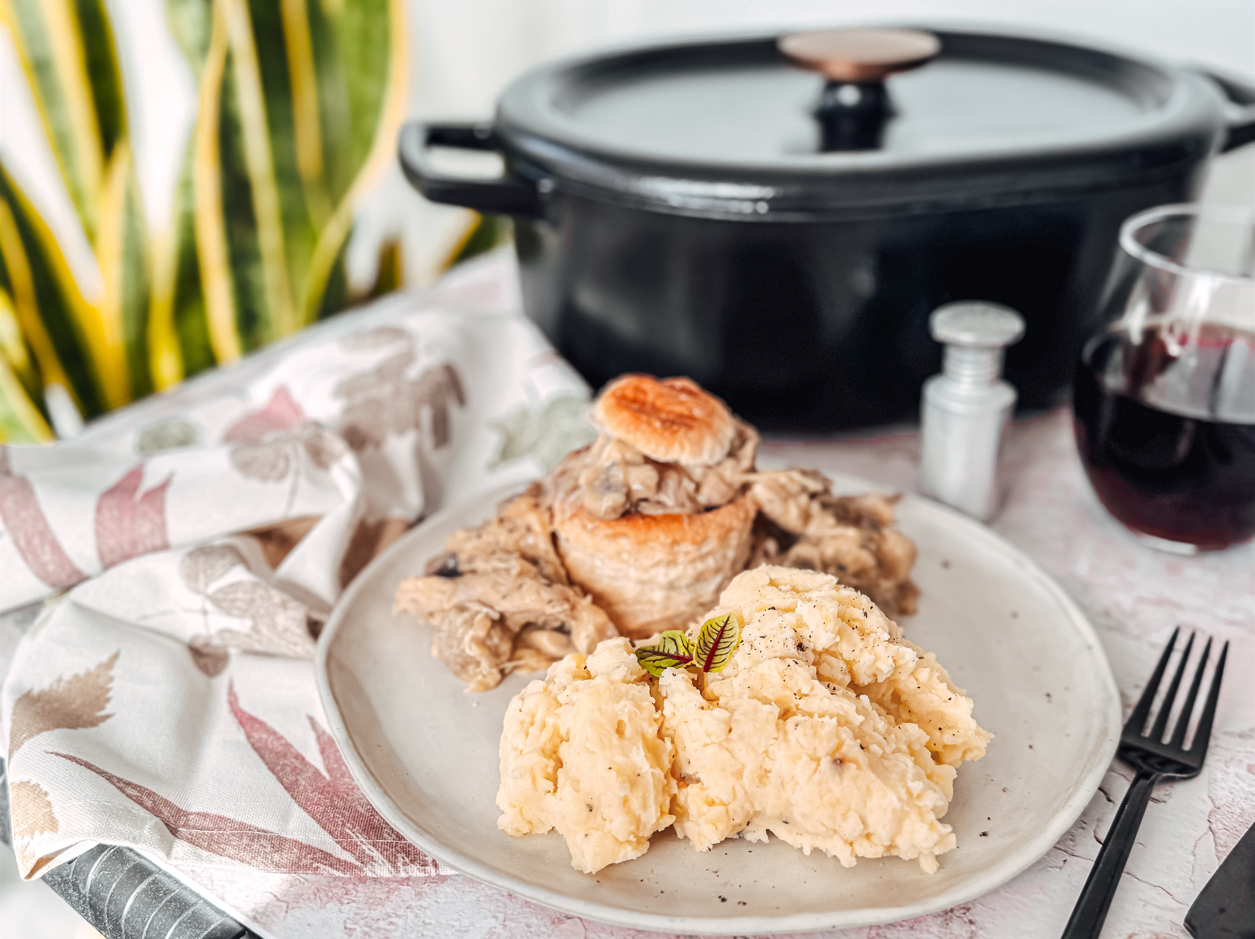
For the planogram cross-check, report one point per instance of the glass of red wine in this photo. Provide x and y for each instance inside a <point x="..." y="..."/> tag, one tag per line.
<point x="1164" y="397"/>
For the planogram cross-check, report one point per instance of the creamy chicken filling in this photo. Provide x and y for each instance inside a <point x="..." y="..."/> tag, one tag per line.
<point x="614" y="478"/>
<point x="501" y="598"/>
<point x="849" y="537"/>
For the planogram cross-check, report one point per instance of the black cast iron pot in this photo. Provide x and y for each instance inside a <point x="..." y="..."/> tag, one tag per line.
<point x="683" y="209"/>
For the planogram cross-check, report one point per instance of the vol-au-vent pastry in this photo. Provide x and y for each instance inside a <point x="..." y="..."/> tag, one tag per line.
<point x="655" y="517"/>
<point x="655" y="572"/>
<point x="669" y="421"/>
<point x="639" y="532"/>
<point x="825" y="728"/>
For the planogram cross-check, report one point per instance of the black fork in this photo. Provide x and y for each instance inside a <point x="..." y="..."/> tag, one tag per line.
<point x="1153" y="759"/>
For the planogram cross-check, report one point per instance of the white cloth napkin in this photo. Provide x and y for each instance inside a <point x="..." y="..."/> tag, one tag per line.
<point x="168" y="701"/>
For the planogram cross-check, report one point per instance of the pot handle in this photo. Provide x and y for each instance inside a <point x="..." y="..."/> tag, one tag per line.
<point x="509" y="194"/>
<point x="1241" y="112"/>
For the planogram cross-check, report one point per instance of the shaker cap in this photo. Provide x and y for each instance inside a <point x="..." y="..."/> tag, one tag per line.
<point x="976" y="323"/>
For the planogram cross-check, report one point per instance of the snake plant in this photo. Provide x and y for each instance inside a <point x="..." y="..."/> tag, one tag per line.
<point x="298" y="104"/>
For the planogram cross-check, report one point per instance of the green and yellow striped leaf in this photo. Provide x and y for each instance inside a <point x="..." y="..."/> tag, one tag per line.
<point x="389" y="274"/>
<point x="64" y="333"/>
<point x="361" y="59"/>
<point x="15" y="350"/>
<point x="67" y="50"/>
<point x="122" y="254"/>
<point x="21" y="390"/>
<point x="292" y="116"/>
<point x="20" y="418"/>
<point x="299" y="104"/>
<point x="178" y="331"/>
<point x="191" y="23"/>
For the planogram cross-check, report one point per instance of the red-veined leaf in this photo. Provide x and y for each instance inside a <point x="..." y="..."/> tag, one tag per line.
<point x="716" y="642"/>
<point x="655" y="661"/>
<point x="675" y="642"/>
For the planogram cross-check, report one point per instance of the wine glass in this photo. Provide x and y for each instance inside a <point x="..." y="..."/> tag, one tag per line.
<point x="1164" y="397"/>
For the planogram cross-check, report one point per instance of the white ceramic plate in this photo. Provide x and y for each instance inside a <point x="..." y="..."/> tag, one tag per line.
<point x="425" y="752"/>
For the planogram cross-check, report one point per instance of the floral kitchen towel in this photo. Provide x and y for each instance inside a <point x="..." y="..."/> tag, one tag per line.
<point x="167" y="700"/>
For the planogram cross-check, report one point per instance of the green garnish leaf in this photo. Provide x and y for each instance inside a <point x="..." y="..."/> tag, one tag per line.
<point x="655" y="661"/>
<point x="712" y="651"/>
<point x="676" y="642"/>
<point x="718" y="639"/>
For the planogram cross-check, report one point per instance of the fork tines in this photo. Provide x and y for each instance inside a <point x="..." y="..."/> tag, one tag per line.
<point x="1134" y="731"/>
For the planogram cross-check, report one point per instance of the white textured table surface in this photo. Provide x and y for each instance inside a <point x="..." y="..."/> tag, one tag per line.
<point x="1134" y="596"/>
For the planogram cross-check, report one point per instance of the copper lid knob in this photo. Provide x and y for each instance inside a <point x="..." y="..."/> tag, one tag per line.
<point x="859" y="55"/>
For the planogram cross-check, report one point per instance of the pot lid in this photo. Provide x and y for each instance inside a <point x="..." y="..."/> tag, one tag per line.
<point x="734" y="128"/>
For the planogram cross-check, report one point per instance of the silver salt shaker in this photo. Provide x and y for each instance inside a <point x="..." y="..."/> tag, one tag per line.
<point x="965" y="409"/>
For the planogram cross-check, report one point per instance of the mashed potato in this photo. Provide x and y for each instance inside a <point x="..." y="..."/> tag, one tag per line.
<point x="825" y="729"/>
<point x="854" y="645"/>
<point x="582" y="752"/>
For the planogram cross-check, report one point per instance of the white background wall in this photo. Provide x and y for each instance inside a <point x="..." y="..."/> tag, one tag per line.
<point x="465" y="51"/>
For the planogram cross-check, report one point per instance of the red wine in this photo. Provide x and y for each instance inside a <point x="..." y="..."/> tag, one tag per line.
<point x="1167" y="434"/>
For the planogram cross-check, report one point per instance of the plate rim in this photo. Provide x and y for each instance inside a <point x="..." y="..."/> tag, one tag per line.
<point x="1022" y="858"/>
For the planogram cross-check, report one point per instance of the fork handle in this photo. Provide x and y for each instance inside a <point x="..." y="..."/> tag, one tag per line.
<point x="1091" y="907"/>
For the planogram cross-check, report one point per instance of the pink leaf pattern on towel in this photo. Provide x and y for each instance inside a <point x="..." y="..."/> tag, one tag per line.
<point x="281" y="412"/>
<point x="332" y="800"/>
<point x="32" y="535"/>
<point x="129" y="524"/>
<point x="265" y="442"/>
<point x="227" y="837"/>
